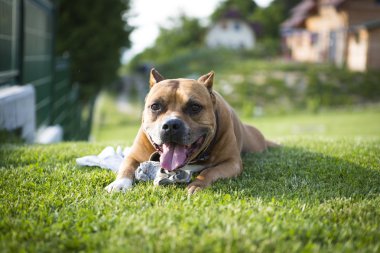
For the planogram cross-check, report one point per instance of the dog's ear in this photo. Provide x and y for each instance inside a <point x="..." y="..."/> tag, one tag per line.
<point x="207" y="80"/>
<point x="155" y="77"/>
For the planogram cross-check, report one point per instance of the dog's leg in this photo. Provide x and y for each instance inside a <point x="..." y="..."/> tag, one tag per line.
<point x="140" y="152"/>
<point x="228" y="169"/>
<point x="126" y="174"/>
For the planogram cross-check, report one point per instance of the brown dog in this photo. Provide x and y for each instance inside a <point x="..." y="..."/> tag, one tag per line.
<point x="189" y="123"/>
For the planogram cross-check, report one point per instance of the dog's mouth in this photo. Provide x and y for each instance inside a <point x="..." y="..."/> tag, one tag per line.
<point x="174" y="156"/>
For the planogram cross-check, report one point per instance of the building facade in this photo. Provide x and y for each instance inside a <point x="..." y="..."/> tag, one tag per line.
<point x="343" y="32"/>
<point x="232" y="32"/>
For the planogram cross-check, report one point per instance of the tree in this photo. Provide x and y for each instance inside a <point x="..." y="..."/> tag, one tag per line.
<point x="244" y="7"/>
<point x="270" y="19"/>
<point x="185" y="34"/>
<point x="272" y="16"/>
<point x="287" y="5"/>
<point x="93" y="33"/>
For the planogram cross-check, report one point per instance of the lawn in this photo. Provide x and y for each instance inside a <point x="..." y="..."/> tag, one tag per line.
<point x="320" y="192"/>
<point x="112" y="126"/>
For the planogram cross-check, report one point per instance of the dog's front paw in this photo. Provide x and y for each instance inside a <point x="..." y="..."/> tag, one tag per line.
<point x="196" y="186"/>
<point x="119" y="185"/>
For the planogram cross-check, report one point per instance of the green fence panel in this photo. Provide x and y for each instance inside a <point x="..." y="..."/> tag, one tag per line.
<point x="61" y="91"/>
<point x="74" y="116"/>
<point x="38" y="54"/>
<point x="9" y="37"/>
<point x="27" y="56"/>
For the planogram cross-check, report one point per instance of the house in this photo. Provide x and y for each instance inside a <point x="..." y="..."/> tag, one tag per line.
<point x="343" y="32"/>
<point x="364" y="46"/>
<point x="231" y="31"/>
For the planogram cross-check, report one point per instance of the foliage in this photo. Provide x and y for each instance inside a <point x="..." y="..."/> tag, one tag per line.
<point x="117" y="126"/>
<point x="195" y="61"/>
<point x="93" y="33"/>
<point x="10" y="136"/>
<point x="243" y="7"/>
<point x="286" y="5"/>
<point x="272" y="16"/>
<point x="249" y="82"/>
<point x="112" y="124"/>
<point x="312" y="195"/>
<point x="186" y="33"/>
<point x="335" y="86"/>
<point x="269" y="18"/>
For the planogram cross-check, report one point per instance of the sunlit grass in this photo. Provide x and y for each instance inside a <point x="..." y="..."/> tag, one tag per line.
<point x="319" y="192"/>
<point x="347" y="122"/>
<point x="121" y="127"/>
<point x="314" y="194"/>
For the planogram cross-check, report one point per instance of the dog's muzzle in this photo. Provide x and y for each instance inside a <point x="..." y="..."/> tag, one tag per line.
<point x="176" y="144"/>
<point x="173" y="130"/>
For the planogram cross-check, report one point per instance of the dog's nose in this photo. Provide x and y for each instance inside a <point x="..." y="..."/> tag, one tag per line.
<point x="173" y="126"/>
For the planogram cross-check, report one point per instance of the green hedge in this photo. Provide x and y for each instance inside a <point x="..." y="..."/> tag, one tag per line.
<point x="254" y="79"/>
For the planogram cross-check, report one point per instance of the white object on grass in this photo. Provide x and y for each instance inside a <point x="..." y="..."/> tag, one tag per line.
<point x="50" y="134"/>
<point x="107" y="159"/>
<point x="149" y="170"/>
<point x="120" y="185"/>
<point x="111" y="159"/>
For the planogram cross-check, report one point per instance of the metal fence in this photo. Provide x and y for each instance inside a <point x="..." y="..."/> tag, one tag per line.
<point x="73" y="116"/>
<point x="9" y="38"/>
<point x="27" y="38"/>
<point x="38" y="55"/>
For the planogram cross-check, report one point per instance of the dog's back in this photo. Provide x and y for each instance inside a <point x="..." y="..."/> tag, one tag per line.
<point x="254" y="140"/>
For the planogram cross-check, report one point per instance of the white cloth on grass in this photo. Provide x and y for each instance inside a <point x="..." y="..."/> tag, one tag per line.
<point x="111" y="159"/>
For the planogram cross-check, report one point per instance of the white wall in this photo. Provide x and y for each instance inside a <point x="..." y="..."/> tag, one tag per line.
<point x="357" y="51"/>
<point x="17" y="110"/>
<point x="232" y="34"/>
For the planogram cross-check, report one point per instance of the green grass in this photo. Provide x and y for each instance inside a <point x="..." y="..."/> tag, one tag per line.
<point x="112" y="125"/>
<point x="320" y="192"/>
<point x="118" y="127"/>
<point x="346" y="122"/>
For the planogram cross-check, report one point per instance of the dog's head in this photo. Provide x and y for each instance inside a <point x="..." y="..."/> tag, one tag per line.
<point x="179" y="118"/>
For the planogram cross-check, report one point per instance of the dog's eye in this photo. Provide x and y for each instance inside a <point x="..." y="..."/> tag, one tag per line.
<point x="195" y="108"/>
<point x="155" y="107"/>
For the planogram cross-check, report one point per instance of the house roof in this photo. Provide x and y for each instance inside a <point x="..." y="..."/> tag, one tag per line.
<point x="235" y="14"/>
<point x="232" y="14"/>
<point x="293" y="21"/>
<point x="303" y="7"/>
<point x="299" y="13"/>
<point x="336" y="3"/>
<point x="306" y="7"/>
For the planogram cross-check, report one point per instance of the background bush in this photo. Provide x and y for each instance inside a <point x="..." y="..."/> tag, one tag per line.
<point x="273" y="86"/>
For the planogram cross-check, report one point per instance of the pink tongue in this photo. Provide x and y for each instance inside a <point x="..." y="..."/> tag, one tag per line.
<point x="173" y="156"/>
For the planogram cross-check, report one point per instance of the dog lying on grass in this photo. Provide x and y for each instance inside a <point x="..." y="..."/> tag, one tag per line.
<point x="189" y="124"/>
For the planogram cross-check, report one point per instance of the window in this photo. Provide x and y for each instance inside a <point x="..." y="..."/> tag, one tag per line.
<point x="298" y="39"/>
<point x="357" y="37"/>
<point x="237" y="26"/>
<point x="314" y="39"/>
<point x="224" y="25"/>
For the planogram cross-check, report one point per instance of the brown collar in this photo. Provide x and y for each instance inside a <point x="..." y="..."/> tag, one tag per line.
<point x="205" y="154"/>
